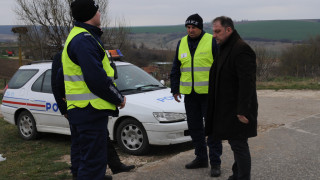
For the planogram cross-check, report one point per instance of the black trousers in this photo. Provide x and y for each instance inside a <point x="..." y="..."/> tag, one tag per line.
<point x="89" y="149"/>
<point x="241" y="167"/>
<point x="196" y="108"/>
<point x="113" y="157"/>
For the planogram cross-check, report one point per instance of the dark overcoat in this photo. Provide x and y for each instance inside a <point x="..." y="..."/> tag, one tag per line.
<point x="232" y="91"/>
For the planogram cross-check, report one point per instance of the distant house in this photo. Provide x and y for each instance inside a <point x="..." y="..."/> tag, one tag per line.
<point x="159" y="70"/>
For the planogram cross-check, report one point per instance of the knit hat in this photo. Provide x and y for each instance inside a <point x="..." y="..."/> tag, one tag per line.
<point x="195" y="20"/>
<point x="83" y="10"/>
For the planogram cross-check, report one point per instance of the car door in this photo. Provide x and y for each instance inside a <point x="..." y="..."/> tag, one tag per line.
<point x="48" y="113"/>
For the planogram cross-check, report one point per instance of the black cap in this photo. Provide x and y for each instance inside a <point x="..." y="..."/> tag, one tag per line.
<point x="195" y="20"/>
<point x="83" y="10"/>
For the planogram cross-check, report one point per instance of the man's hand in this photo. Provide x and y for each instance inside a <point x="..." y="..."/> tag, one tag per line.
<point x="176" y="97"/>
<point x="123" y="103"/>
<point x="66" y="116"/>
<point x="243" y="119"/>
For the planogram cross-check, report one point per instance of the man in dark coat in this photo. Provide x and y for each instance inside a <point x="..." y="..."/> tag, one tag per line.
<point x="233" y="106"/>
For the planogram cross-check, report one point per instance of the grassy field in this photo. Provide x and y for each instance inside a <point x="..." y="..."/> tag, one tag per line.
<point x="42" y="159"/>
<point x="2" y="85"/>
<point x="290" y="83"/>
<point x="32" y="159"/>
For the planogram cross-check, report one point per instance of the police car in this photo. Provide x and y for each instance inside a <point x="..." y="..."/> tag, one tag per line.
<point x="151" y="115"/>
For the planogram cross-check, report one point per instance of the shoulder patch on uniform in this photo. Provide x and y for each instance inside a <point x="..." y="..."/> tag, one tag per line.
<point x="87" y="34"/>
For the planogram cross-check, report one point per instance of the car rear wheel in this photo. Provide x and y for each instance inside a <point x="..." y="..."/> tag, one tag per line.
<point x="27" y="126"/>
<point x="132" y="137"/>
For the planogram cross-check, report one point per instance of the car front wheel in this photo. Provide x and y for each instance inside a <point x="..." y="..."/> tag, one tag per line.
<point x="132" y="137"/>
<point x="27" y="126"/>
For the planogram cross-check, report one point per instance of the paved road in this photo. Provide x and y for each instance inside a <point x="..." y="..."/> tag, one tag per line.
<point x="288" y="152"/>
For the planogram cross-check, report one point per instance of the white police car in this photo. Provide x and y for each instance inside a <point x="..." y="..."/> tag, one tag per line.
<point x="151" y="115"/>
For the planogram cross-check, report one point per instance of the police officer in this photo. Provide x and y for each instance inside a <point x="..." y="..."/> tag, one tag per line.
<point x="190" y="76"/>
<point x="90" y="92"/>
<point x="57" y="84"/>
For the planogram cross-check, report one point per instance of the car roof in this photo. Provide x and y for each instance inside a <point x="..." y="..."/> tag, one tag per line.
<point x="47" y="65"/>
<point x="37" y="65"/>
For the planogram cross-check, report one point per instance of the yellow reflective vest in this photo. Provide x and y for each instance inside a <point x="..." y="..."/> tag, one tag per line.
<point x="77" y="91"/>
<point x="195" y="70"/>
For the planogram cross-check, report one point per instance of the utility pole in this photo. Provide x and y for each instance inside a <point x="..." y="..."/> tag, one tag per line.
<point x="20" y="30"/>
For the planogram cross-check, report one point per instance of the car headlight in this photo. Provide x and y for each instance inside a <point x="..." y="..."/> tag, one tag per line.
<point x="166" y="117"/>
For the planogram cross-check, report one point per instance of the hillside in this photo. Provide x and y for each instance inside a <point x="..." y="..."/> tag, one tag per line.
<point x="273" y="34"/>
<point x="166" y="37"/>
<point x="272" y="30"/>
<point x="6" y="34"/>
<point x="279" y="30"/>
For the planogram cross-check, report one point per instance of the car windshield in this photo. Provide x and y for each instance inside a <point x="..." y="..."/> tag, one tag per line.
<point x="132" y="79"/>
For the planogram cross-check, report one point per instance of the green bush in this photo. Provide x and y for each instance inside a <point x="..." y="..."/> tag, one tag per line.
<point x="301" y="60"/>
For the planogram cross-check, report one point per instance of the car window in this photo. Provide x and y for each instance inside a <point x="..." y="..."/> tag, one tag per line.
<point x="43" y="83"/>
<point x="132" y="77"/>
<point x="37" y="84"/>
<point x="21" y="77"/>
<point x="46" y="85"/>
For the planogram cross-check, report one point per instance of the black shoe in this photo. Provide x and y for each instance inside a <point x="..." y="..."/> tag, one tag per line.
<point x="231" y="178"/>
<point x="196" y="163"/>
<point x="122" y="168"/>
<point x="215" y="171"/>
<point x="107" y="177"/>
<point x="74" y="176"/>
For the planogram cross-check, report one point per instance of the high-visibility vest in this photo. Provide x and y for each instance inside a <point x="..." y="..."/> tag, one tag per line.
<point x="195" y="70"/>
<point x="77" y="91"/>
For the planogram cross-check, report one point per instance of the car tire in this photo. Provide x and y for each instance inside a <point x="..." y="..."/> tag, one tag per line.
<point x="27" y="126"/>
<point x="132" y="137"/>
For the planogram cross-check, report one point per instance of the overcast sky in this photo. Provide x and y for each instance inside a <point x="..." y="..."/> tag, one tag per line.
<point x="173" y="12"/>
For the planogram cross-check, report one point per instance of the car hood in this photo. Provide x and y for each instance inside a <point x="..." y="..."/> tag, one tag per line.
<point x="157" y="101"/>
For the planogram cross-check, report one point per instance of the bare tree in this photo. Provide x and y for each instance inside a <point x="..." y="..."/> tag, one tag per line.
<point x="34" y="44"/>
<point x="116" y="37"/>
<point x="266" y="61"/>
<point x="47" y="20"/>
<point x="50" y="21"/>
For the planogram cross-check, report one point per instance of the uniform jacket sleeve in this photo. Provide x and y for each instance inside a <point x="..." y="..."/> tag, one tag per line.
<point x="175" y="73"/>
<point x="85" y="50"/>
<point x="61" y="91"/>
<point x="58" y="88"/>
